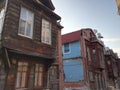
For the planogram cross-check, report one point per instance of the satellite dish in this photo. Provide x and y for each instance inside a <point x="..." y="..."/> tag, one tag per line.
<point x="95" y="31"/>
<point x="99" y="35"/>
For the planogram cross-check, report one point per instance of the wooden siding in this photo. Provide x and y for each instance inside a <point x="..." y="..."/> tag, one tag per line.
<point x="10" y="36"/>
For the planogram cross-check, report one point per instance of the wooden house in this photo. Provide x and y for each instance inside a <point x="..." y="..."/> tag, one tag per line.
<point x="30" y="49"/>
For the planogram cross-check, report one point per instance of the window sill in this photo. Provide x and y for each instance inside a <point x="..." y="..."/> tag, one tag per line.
<point x="25" y="36"/>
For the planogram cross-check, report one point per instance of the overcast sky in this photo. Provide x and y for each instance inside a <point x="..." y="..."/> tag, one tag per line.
<point x="101" y="15"/>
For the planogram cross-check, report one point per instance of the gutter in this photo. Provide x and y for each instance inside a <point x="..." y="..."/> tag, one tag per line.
<point x="8" y="60"/>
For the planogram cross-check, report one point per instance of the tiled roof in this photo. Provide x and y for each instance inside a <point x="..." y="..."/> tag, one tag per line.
<point x="70" y="37"/>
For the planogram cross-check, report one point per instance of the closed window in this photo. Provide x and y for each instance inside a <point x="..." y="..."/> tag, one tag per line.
<point x="22" y="72"/>
<point x="66" y="48"/>
<point x="2" y="75"/>
<point x="88" y="54"/>
<point x="91" y="76"/>
<point x="38" y="75"/>
<point x="46" y="32"/>
<point x="26" y="23"/>
<point x="1" y="19"/>
<point x="94" y="55"/>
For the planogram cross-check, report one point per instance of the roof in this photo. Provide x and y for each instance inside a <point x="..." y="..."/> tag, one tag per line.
<point x="48" y="8"/>
<point x="74" y="36"/>
<point x="70" y="37"/>
<point x="48" y="3"/>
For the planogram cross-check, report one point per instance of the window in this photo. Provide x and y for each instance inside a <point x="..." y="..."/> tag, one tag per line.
<point x="108" y="62"/>
<point x="94" y="54"/>
<point x="2" y="75"/>
<point x="53" y="73"/>
<point x="88" y="53"/>
<point x="38" y="75"/>
<point x="46" y="32"/>
<point x="91" y="76"/>
<point x="0" y="63"/>
<point x="1" y="19"/>
<point x="26" y="23"/>
<point x="21" y="81"/>
<point x="66" y="48"/>
<point x="84" y="34"/>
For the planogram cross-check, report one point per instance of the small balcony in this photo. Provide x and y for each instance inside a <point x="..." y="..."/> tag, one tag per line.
<point x="95" y="39"/>
<point x="99" y="66"/>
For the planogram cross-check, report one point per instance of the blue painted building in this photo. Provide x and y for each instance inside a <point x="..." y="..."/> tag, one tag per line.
<point x="72" y="61"/>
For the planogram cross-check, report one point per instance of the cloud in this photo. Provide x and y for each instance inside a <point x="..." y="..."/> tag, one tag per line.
<point x="116" y="49"/>
<point x="112" y="40"/>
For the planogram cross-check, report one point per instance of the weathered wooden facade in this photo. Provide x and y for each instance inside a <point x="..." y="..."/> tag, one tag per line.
<point x="95" y="61"/>
<point x="30" y="46"/>
<point x="112" y="69"/>
<point x="90" y="49"/>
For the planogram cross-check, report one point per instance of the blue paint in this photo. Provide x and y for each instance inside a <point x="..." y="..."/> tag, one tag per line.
<point x="75" y="50"/>
<point x="73" y="69"/>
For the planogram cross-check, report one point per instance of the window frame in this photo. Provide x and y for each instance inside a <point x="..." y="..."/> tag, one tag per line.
<point x="44" y="32"/>
<point x="91" y="76"/>
<point x="64" y="52"/>
<point x="94" y="53"/>
<point x="2" y="13"/>
<point x="21" y="70"/>
<point x="39" y="72"/>
<point x="88" y="54"/>
<point x="27" y="21"/>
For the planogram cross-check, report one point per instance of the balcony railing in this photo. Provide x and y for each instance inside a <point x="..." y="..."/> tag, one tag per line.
<point x="95" y="39"/>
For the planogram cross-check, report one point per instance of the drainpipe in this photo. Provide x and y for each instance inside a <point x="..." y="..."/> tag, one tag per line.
<point x="8" y="60"/>
<point x="61" y="81"/>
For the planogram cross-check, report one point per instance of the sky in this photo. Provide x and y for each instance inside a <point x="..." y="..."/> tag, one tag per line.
<point x="101" y="15"/>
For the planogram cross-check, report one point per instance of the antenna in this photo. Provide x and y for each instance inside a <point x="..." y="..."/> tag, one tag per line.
<point x="99" y="35"/>
<point x="95" y="31"/>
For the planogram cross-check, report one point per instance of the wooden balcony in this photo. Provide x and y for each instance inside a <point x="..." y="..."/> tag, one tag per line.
<point x="98" y="66"/>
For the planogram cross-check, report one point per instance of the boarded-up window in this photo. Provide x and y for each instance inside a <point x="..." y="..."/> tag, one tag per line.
<point x="26" y="23"/>
<point x="22" y="75"/>
<point x="46" y="32"/>
<point x="38" y="75"/>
